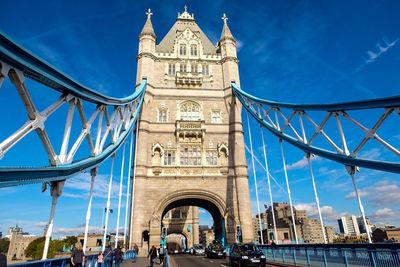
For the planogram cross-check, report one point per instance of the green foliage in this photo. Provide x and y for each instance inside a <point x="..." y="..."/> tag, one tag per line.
<point x="4" y="244"/>
<point x="35" y="248"/>
<point x="70" y="240"/>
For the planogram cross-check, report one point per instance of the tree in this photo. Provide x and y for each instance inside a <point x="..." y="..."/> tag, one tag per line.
<point x="4" y="244"/>
<point x="35" y="248"/>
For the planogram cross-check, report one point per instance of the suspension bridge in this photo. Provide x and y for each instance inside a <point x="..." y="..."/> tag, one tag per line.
<point x="95" y="128"/>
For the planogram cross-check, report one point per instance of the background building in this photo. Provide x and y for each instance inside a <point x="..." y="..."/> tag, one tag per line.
<point x="19" y="241"/>
<point x="206" y="236"/>
<point x="348" y="225"/>
<point x="390" y="234"/>
<point x="308" y="230"/>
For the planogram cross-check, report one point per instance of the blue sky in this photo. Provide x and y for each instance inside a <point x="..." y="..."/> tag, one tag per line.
<point x="289" y="51"/>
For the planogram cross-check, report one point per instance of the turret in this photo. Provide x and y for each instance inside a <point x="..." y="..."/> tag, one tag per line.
<point x="227" y="46"/>
<point x="147" y="47"/>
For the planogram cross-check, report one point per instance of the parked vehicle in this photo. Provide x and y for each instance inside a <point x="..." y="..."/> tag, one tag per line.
<point x="215" y="251"/>
<point x="198" y="250"/>
<point x="246" y="255"/>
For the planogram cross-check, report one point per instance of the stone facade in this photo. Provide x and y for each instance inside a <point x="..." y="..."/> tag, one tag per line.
<point x="19" y="241"/>
<point x="191" y="145"/>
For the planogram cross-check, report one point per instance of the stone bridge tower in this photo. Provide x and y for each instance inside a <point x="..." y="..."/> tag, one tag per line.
<point x="191" y="145"/>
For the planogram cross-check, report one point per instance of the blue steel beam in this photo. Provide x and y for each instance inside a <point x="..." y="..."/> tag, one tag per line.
<point x="42" y="72"/>
<point x="386" y="102"/>
<point x="11" y="176"/>
<point x="341" y="158"/>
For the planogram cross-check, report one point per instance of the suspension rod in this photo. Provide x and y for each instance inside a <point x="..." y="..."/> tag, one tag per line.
<point x="255" y="178"/>
<point x="308" y="156"/>
<point x="288" y="190"/>
<point x="351" y="170"/>
<point x="55" y="192"/>
<point x="134" y="180"/>
<point x="269" y="184"/>
<point x="120" y="194"/>
<point x="128" y="189"/>
<point x="93" y="173"/>
<point x="108" y="202"/>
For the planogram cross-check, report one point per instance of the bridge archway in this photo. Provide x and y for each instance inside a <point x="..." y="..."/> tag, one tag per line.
<point x="207" y="200"/>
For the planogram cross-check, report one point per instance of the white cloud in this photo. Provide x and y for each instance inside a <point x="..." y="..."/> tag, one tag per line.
<point x="80" y="185"/>
<point x="379" y="194"/>
<point x="384" y="193"/>
<point x="373" y="55"/>
<point x="300" y="163"/>
<point x="352" y="194"/>
<point x="328" y="212"/>
<point x="75" y="230"/>
<point x="384" y="215"/>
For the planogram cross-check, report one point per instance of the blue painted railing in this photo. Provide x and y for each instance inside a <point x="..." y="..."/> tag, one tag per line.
<point x="90" y="261"/>
<point x="354" y="255"/>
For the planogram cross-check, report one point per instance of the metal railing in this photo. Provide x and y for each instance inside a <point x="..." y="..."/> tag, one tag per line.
<point x="90" y="261"/>
<point x="375" y="255"/>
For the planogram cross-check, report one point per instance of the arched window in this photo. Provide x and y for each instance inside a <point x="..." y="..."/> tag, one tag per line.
<point x="193" y="50"/>
<point x="190" y="111"/>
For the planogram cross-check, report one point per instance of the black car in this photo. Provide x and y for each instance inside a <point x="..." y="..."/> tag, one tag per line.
<point x="246" y="255"/>
<point x="215" y="251"/>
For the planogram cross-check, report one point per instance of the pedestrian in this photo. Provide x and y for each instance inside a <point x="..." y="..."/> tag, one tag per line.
<point x="77" y="256"/>
<point x="152" y="255"/>
<point x="136" y="248"/>
<point x="118" y="256"/>
<point x="99" y="259"/>
<point x="108" y="256"/>
<point x="3" y="260"/>
<point x="161" y="254"/>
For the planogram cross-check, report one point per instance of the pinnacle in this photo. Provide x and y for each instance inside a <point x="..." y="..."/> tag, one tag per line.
<point x="148" y="26"/>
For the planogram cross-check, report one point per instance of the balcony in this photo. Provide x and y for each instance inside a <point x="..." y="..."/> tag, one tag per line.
<point x="190" y="131"/>
<point x="188" y="78"/>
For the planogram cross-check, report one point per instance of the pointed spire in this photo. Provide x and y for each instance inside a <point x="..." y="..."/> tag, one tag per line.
<point x="226" y="32"/>
<point x="148" y="26"/>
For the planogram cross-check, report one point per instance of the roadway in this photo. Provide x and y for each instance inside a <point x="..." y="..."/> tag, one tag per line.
<point x="182" y="260"/>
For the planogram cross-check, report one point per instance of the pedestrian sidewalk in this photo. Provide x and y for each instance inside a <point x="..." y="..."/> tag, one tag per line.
<point x="140" y="262"/>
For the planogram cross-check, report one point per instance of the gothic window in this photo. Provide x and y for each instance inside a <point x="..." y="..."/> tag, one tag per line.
<point x="184" y="214"/>
<point x="193" y="50"/>
<point x="190" y="111"/>
<point x="169" y="157"/>
<point x="176" y="214"/>
<point x="182" y="50"/>
<point x="171" y="69"/>
<point x="163" y="115"/>
<point x="215" y="116"/>
<point x="195" y="68"/>
<point x="211" y="158"/>
<point x="190" y="156"/>
<point x="183" y="67"/>
<point x="205" y="70"/>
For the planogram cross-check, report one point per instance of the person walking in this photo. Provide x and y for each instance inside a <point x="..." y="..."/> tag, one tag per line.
<point x="100" y="259"/>
<point x="108" y="256"/>
<point x="118" y="256"/>
<point x="152" y="255"/>
<point x="136" y="248"/>
<point x="77" y="256"/>
<point x="161" y="254"/>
